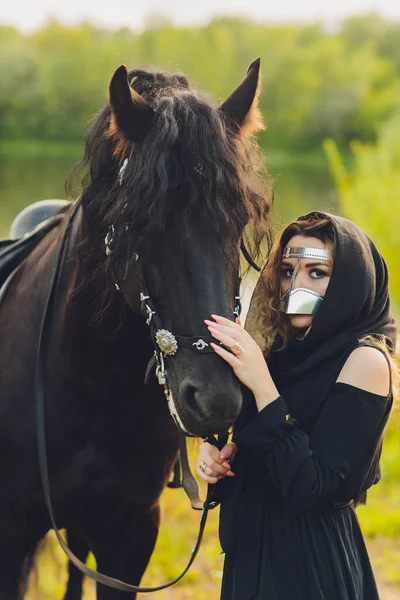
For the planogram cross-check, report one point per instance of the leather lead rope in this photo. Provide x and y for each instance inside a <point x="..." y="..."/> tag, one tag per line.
<point x="247" y="256"/>
<point x="42" y="453"/>
<point x="189" y="483"/>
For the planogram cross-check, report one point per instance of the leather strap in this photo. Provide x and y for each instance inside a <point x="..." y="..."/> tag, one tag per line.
<point x="189" y="483"/>
<point x="247" y="256"/>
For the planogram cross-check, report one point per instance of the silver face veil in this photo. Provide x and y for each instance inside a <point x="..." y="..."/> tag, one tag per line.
<point x="301" y="301"/>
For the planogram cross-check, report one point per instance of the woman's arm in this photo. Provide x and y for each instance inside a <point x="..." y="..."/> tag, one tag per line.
<point x="327" y="465"/>
<point x="249" y="366"/>
<point x="311" y="470"/>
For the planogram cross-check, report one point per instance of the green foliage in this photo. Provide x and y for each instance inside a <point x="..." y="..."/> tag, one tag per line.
<point x="381" y="515"/>
<point x="316" y="83"/>
<point x="369" y="192"/>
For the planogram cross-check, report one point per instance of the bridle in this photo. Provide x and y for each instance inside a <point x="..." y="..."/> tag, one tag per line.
<point x="165" y="344"/>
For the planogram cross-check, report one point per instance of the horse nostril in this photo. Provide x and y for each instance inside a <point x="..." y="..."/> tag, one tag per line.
<point x="190" y="403"/>
<point x="206" y="409"/>
<point x="202" y="405"/>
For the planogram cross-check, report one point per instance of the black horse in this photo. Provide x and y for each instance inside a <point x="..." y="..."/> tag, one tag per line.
<point x="172" y="184"/>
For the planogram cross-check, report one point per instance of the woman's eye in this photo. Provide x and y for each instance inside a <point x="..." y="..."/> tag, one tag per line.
<point x="287" y="273"/>
<point x="317" y="274"/>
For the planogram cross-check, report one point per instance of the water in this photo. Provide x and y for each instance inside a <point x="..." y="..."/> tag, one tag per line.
<point x="29" y="174"/>
<point x="25" y="177"/>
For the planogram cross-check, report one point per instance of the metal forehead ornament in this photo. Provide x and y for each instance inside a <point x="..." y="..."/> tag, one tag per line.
<point x="166" y="342"/>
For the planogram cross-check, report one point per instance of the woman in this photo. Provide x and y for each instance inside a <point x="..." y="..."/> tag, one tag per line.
<point x="308" y="443"/>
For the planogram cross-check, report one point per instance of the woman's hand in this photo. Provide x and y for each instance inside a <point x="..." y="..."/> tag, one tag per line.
<point x="212" y="463"/>
<point x="245" y="357"/>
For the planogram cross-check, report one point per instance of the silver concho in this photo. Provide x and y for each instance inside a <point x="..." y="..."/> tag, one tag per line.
<point x="166" y="342"/>
<point x="200" y="344"/>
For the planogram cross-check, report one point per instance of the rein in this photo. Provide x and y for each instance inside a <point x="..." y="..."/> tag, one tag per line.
<point x="165" y="344"/>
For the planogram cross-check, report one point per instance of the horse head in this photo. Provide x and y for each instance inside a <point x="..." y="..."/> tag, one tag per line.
<point x="174" y="184"/>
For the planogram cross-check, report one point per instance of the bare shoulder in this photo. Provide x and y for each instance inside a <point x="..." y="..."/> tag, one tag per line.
<point x="367" y="369"/>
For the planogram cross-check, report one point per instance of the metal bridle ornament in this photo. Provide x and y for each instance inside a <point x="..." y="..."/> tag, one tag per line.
<point x="149" y="312"/>
<point x="200" y="344"/>
<point x="166" y="342"/>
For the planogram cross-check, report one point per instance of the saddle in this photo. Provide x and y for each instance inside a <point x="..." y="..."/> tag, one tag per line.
<point x="29" y="227"/>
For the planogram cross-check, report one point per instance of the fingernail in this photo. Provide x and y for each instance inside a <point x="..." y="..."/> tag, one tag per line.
<point x="231" y="474"/>
<point x="226" y="465"/>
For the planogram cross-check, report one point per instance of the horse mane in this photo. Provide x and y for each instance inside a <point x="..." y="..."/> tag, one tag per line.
<point x="190" y="162"/>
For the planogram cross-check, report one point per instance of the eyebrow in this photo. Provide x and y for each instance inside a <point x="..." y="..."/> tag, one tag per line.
<point x="325" y="263"/>
<point x="318" y="264"/>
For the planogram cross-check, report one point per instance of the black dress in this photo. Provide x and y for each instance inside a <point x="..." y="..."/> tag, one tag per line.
<point x="288" y="523"/>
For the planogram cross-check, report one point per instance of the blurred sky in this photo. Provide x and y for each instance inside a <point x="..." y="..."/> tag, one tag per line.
<point x="28" y="14"/>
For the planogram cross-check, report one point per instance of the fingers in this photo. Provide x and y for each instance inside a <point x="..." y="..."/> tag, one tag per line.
<point x="239" y="322"/>
<point x="236" y="324"/>
<point x="210" y="455"/>
<point x="224" y="321"/>
<point x="233" y="329"/>
<point x="227" y="340"/>
<point x="213" y="469"/>
<point x="205" y="477"/>
<point x="228" y="451"/>
<point x="236" y="333"/>
<point x="230" y="358"/>
<point x="210" y="466"/>
<point x="213" y="478"/>
<point x="227" y="454"/>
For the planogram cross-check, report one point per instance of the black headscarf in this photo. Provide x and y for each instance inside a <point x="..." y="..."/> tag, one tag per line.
<point x="356" y="304"/>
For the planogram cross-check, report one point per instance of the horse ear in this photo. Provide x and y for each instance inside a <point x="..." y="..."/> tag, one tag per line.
<point x="131" y="115"/>
<point x="242" y="105"/>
